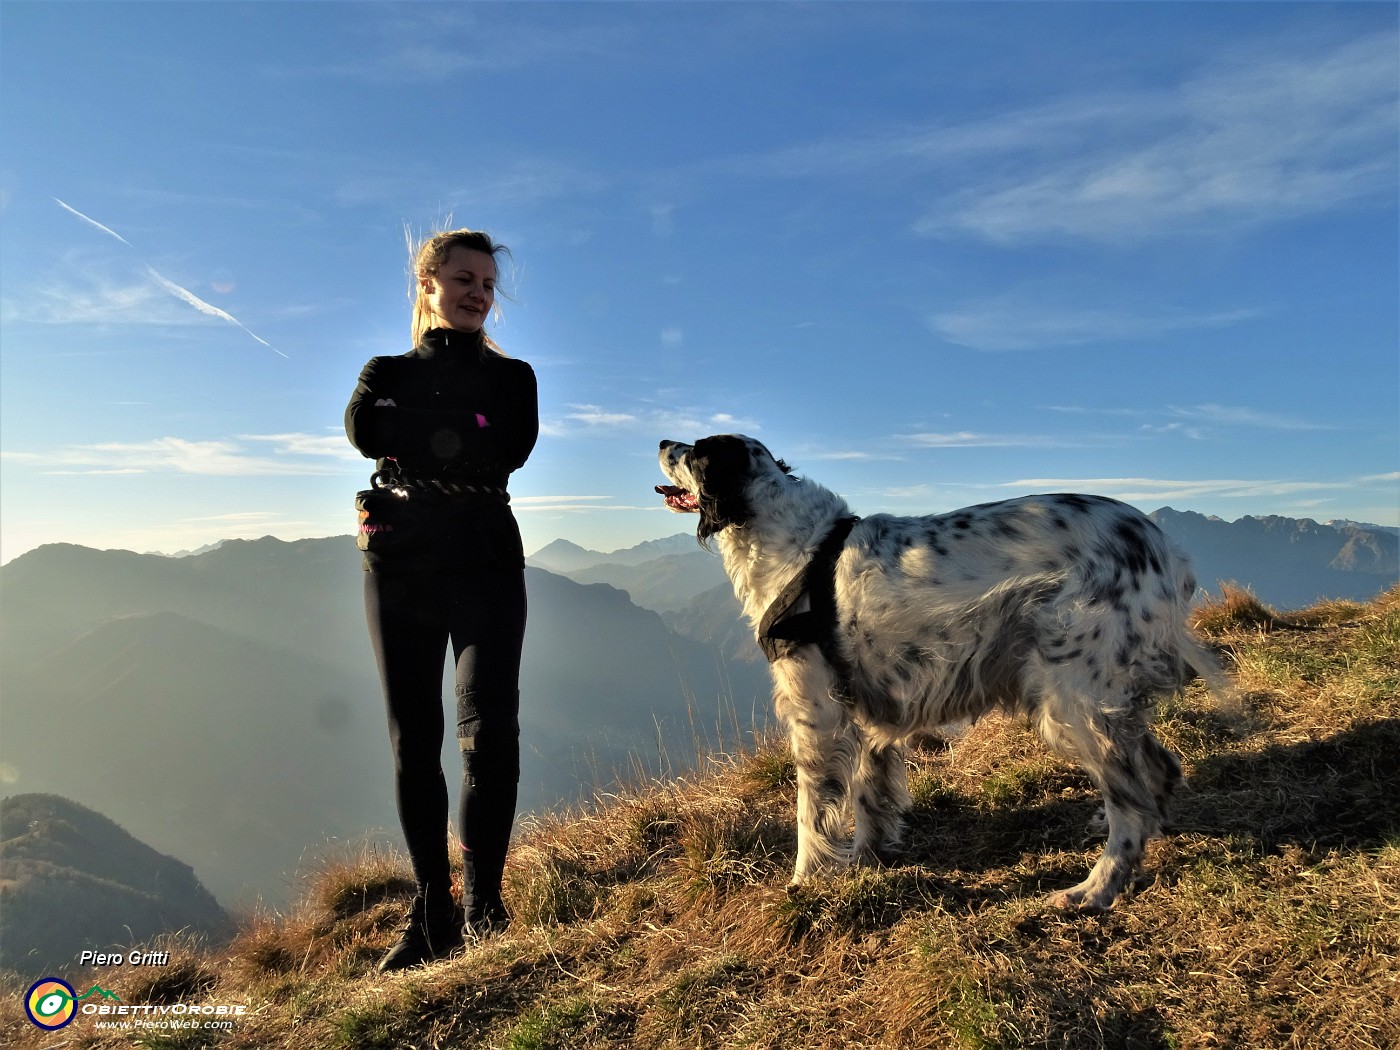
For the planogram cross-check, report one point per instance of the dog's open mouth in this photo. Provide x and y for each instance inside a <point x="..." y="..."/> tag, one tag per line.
<point x="678" y="498"/>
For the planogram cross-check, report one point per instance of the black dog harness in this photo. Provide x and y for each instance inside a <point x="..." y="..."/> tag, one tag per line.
<point x="782" y="631"/>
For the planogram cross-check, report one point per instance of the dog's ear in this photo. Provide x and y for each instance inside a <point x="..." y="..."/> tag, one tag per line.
<point x="721" y="467"/>
<point x="755" y="447"/>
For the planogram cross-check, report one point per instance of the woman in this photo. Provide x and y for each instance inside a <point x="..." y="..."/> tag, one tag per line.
<point x="452" y="418"/>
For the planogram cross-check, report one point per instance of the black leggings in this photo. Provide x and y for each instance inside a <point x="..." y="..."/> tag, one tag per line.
<point x="413" y="614"/>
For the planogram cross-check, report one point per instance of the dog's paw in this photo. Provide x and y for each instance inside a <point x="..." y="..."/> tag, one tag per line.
<point x="1079" y="901"/>
<point x="808" y="887"/>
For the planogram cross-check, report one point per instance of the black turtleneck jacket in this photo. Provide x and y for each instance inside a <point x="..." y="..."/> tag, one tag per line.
<point x="449" y="409"/>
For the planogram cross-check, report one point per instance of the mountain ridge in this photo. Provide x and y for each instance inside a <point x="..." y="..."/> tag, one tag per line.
<point x="72" y="879"/>
<point x="566" y="556"/>
<point x="245" y="673"/>
<point x="248" y="669"/>
<point x="1288" y="562"/>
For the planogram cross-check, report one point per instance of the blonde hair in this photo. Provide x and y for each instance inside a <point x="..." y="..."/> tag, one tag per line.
<point x="429" y="258"/>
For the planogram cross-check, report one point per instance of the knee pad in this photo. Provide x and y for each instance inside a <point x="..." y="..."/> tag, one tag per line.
<point x="488" y="732"/>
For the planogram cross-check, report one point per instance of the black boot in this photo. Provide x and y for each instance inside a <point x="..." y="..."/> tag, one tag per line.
<point x="489" y="815"/>
<point x="482" y="873"/>
<point x="484" y="918"/>
<point x="488" y="731"/>
<point x="433" y="931"/>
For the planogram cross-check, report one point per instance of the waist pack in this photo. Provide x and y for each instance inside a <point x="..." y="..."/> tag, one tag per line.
<point x="398" y="513"/>
<point x="392" y="516"/>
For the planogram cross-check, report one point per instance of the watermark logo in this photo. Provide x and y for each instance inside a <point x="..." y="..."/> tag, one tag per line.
<point x="52" y="1004"/>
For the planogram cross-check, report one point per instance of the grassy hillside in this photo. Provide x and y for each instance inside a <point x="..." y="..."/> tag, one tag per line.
<point x="658" y="917"/>
<point x="70" y="879"/>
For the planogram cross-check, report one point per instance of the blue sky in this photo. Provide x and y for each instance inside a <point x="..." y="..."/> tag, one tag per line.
<point x="933" y="254"/>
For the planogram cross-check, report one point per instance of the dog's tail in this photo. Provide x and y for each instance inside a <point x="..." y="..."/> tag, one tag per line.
<point x="1201" y="660"/>
<point x="1197" y="658"/>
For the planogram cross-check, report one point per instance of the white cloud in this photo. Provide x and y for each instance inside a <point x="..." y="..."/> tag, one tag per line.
<point x="1299" y="129"/>
<point x="1081" y="410"/>
<point x="1028" y="322"/>
<point x="187" y="296"/>
<point x="847" y="456"/>
<point x="431" y="43"/>
<point x="548" y="501"/>
<point x="573" y="504"/>
<point x="972" y="439"/>
<point x="333" y="446"/>
<point x="1236" y="416"/>
<point x="99" y="300"/>
<point x="1260" y="134"/>
<point x="1148" y="489"/>
<point x="647" y="420"/>
<point x="1202" y="422"/>
<point x="1279" y="136"/>
<point x="92" y="222"/>
<point x="1196" y="421"/>
<point x="594" y="416"/>
<point x="293" y="455"/>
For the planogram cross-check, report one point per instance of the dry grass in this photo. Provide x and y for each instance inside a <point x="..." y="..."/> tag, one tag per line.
<point x="1238" y="609"/>
<point x="657" y="917"/>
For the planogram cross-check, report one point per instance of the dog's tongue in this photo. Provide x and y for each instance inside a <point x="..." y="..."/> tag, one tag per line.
<point x="678" y="498"/>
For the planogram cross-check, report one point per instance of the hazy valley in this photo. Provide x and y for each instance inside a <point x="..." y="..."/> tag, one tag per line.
<point x="224" y="707"/>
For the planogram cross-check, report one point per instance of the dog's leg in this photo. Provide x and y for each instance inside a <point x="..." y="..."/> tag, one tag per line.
<point x="1136" y="775"/>
<point x="825" y="748"/>
<point x="881" y="799"/>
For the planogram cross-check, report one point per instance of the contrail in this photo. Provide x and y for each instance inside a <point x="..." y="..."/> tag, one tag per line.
<point x="170" y="286"/>
<point x="206" y="308"/>
<point x="93" y="222"/>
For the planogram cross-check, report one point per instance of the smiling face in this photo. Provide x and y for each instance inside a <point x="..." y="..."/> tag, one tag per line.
<point x="462" y="292"/>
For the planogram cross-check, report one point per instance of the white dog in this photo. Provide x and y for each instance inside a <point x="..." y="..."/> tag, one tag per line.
<point x="1068" y="609"/>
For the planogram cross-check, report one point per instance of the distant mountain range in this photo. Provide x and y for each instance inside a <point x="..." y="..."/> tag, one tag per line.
<point x="1287" y="562"/>
<point x="564" y="557"/>
<point x="73" y="880"/>
<point x="224" y="706"/>
<point x="665" y="584"/>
